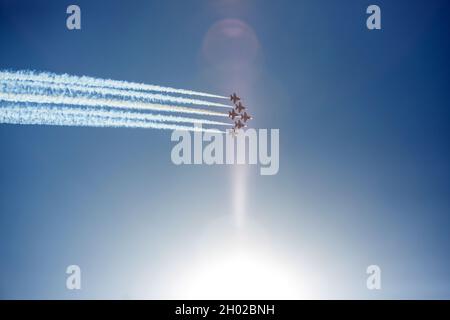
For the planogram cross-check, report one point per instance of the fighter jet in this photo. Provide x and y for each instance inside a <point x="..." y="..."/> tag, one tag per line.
<point x="232" y="114"/>
<point x="233" y="132"/>
<point x="239" y="107"/>
<point x="245" y="117"/>
<point x="238" y="124"/>
<point x="234" y="98"/>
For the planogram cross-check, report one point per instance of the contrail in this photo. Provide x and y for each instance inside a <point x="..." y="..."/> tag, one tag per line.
<point x="121" y="104"/>
<point x="28" y="97"/>
<point x="37" y="87"/>
<point x="98" y="112"/>
<point x="32" y="116"/>
<point x="96" y="82"/>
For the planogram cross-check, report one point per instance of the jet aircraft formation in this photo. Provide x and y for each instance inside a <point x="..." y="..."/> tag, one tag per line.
<point x="237" y="114"/>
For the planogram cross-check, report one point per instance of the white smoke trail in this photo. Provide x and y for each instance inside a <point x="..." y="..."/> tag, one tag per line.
<point x="36" y="87"/>
<point x="98" y="112"/>
<point x="96" y="82"/>
<point x="33" y="117"/>
<point x="84" y="101"/>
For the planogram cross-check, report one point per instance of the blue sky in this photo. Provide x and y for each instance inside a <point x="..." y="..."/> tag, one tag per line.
<point x="364" y="154"/>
